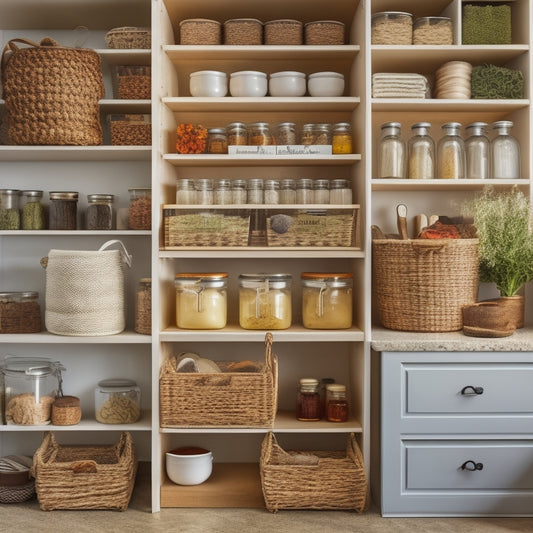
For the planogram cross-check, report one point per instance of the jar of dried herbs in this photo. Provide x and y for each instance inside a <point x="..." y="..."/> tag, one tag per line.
<point x="33" y="212"/>
<point x="9" y="209"/>
<point x="63" y="210"/>
<point x="100" y="211"/>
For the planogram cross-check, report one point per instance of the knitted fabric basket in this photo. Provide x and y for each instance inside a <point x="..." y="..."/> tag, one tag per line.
<point x="52" y="93"/>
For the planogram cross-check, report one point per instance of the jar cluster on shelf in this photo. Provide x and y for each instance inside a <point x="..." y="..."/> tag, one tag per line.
<point x="265" y="300"/>
<point x="322" y="399"/>
<point x="477" y="156"/>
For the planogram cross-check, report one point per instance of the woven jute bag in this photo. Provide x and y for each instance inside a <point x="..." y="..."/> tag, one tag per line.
<point x="84" y="293"/>
<point x="52" y="93"/>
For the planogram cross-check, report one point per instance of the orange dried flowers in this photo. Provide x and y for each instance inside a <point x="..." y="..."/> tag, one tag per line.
<point x="191" y="138"/>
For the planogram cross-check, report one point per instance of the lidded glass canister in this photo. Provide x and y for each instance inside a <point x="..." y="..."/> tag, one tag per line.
<point x="259" y="134"/>
<point x="143" y="307"/>
<point x="327" y="301"/>
<point x="217" y="141"/>
<point x="237" y="134"/>
<point x="304" y="191"/>
<point x="117" y="401"/>
<point x="271" y="192"/>
<point x="340" y="192"/>
<point x="238" y="191"/>
<point x="201" y="300"/>
<point x="33" y="212"/>
<point x="285" y="133"/>
<point x="204" y="191"/>
<point x="287" y="191"/>
<point x="308" y="407"/>
<point x="321" y="189"/>
<point x="222" y="195"/>
<point x="421" y="152"/>
<point x="140" y="210"/>
<point x="63" y="210"/>
<point x="99" y="215"/>
<point x="9" y="209"/>
<point x="451" y="161"/>
<point x="505" y="152"/>
<point x="391" y="157"/>
<point x="477" y="151"/>
<point x="185" y="191"/>
<point x="254" y="188"/>
<point x="336" y="403"/>
<point x="265" y="301"/>
<point x="341" y="140"/>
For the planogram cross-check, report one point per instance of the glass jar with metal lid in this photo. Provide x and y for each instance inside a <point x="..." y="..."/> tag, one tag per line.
<point x="143" y="307"/>
<point x="341" y="141"/>
<point x="433" y="30"/>
<point x="327" y="300"/>
<point x="99" y="215"/>
<point x="20" y="312"/>
<point x="259" y="134"/>
<point x="237" y="134"/>
<point x="31" y="386"/>
<point x="117" y="401"/>
<point x="140" y="210"/>
<point x="265" y="301"/>
<point x="9" y="209"/>
<point x="308" y="407"/>
<point x="63" y="210"/>
<point x="33" y="212"/>
<point x="392" y="27"/>
<point x="201" y="300"/>
<point x="336" y="403"/>
<point x="217" y="141"/>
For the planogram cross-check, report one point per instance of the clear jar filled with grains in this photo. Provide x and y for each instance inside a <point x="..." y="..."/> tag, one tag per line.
<point x="99" y="214"/>
<point x="308" y="406"/>
<point x="217" y="142"/>
<point x="265" y="301"/>
<point x="201" y="300"/>
<point x="222" y="195"/>
<point x="259" y="134"/>
<point x="304" y="191"/>
<point x="433" y="30"/>
<point x="254" y="191"/>
<point x="421" y="152"/>
<point x="327" y="300"/>
<point x="391" y="156"/>
<point x="63" y="210"/>
<point x="477" y="151"/>
<point x="451" y="161"/>
<point x="33" y="211"/>
<point x="321" y="188"/>
<point x="392" y="27"/>
<point x="237" y="134"/>
<point x="117" y="401"/>
<point x="271" y="192"/>
<point x="20" y="312"/>
<point x="9" y="209"/>
<point x="204" y="191"/>
<point x="143" y="307"/>
<point x="285" y="133"/>
<point x="287" y="191"/>
<point x="307" y="136"/>
<point x="238" y="191"/>
<point x="185" y="192"/>
<point x="140" y="210"/>
<point x="341" y="141"/>
<point x="340" y="192"/>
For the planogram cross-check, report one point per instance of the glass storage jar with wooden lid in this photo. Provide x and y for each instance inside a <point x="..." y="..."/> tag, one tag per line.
<point x="327" y="300"/>
<point x="201" y="300"/>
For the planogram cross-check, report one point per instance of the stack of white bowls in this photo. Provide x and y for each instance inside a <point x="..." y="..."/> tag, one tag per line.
<point x="453" y="80"/>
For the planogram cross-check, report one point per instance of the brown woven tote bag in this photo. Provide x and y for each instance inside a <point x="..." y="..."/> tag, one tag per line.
<point x="52" y="93"/>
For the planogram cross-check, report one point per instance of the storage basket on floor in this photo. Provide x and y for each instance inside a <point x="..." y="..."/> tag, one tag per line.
<point x="422" y="284"/>
<point x="85" y="477"/>
<point x="52" y="93"/>
<point x="329" y="480"/>
<point x="246" y="399"/>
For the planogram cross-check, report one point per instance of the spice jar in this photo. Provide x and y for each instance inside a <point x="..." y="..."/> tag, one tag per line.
<point x="421" y="152"/>
<point x="20" y="312"/>
<point x="321" y="188"/>
<point x="185" y="193"/>
<point x="340" y="192"/>
<point x="285" y="133"/>
<point x="140" y="210"/>
<point x="304" y="191"/>
<point x="201" y="300"/>
<point x="33" y="213"/>
<point x="477" y="151"/>
<point x="265" y="301"/>
<point x="287" y="192"/>
<point x="143" y="307"/>
<point x="391" y="152"/>
<point x="238" y="191"/>
<point x="321" y="134"/>
<point x="259" y="134"/>
<point x="336" y="403"/>
<point x="505" y="152"/>
<point x="254" y="189"/>
<point x="237" y="134"/>
<point x="9" y="209"/>
<point x="308" y="405"/>
<point x="222" y="194"/>
<point x="31" y="386"/>
<point x="63" y="210"/>
<point x="271" y="192"/>
<point x="100" y="211"/>
<point x="117" y="401"/>
<point x="217" y="142"/>
<point x="327" y="300"/>
<point x="342" y="138"/>
<point x="451" y="153"/>
<point x="204" y="191"/>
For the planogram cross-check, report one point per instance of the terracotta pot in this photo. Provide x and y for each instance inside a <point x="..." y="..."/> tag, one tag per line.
<point x="515" y="307"/>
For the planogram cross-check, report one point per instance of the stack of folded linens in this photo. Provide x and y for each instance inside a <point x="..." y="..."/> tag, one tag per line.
<point x="399" y="85"/>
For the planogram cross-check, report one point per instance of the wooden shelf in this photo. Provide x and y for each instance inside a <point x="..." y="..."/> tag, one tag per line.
<point x="75" y="153"/>
<point x="209" y="160"/>
<point x="443" y="185"/>
<point x="126" y="337"/>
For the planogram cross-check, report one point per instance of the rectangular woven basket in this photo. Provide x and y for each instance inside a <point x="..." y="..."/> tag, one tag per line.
<point x="84" y="477"/>
<point x="247" y="399"/>
<point x="422" y="284"/>
<point x="325" y="480"/>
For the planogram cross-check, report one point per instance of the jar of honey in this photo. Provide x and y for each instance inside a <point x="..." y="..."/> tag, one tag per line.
<point x="336" y="403"/>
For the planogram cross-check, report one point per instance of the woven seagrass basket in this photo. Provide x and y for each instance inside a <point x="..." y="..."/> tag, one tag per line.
<point x="52" y="93"/>
<point x="84" y="477"/>
<point x="422" y="284"/>
<point x="246" y="399"/>
<point x="329" y="480"/>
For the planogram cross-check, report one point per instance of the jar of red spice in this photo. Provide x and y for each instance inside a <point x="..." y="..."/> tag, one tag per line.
<point x="309" y="404"/>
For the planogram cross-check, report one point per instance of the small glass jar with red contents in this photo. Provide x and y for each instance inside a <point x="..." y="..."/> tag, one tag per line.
<point x="336" y="403"/>
<point x="308" y="408"/>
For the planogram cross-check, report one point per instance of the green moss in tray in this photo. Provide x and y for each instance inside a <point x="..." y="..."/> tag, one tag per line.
<point x="493" y="82"/>
<point x="487" y="24"/>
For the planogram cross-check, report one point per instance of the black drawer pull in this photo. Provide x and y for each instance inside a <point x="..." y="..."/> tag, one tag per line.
<point x="472" y="466"/>
<point x="470" y="389"/>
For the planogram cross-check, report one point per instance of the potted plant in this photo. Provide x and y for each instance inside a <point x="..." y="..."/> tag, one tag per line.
<point x="504" y="227"/>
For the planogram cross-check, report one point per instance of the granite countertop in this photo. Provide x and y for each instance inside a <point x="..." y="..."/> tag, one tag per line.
<point x="386" y="340"/>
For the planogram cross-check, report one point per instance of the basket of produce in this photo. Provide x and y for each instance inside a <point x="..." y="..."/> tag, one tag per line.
<point x="84" y="477"/>
<point x="196" y="392"/>
<point x="325" y="480"/>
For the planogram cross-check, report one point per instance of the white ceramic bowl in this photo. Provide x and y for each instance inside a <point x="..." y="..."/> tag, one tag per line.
<point x="248" y="83"/>
<point x="287" y="83"/>
<point x="189" y="465"/>
<point x="208" y="83"/>
<point x="325" y="84"/>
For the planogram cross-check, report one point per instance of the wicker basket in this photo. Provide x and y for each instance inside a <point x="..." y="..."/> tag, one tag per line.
<point x="324" y="227"/>
<point x="84" y="477"/>
<point x="313" y="480"/>
<point x="205" y="228"/>
<point x="421" y="285"/>
<point x="52" y="94"/>
<point x="283" y="32"/>
<point x="134" y="82"/>
<point x="130" y="130"/>
<point x="244" y="399"/>
<point x="200" y="31"/>
<point x="127" y="37"/>
<point x="324" y="32"/>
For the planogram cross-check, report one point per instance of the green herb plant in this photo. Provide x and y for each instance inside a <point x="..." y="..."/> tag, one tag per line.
<point x="504" y="228"/>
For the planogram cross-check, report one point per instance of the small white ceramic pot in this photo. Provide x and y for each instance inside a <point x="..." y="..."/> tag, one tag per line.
<point x="189" y="465"/>
<point x="208" y="83"/>
<point x="325" y="84"/>
<point x="248" y="83"/>
<point x="287" y="83"/>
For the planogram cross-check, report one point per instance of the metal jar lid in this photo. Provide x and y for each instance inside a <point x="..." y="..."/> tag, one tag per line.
<point x="64" y="195"/>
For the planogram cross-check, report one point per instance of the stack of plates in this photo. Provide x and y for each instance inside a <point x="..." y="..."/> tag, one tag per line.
<point x="399" y="85"/>
<point x="452" y="80"/>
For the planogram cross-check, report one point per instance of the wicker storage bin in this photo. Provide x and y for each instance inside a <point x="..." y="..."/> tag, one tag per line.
<point x="134" y="82"/>
<point x="200" y="31"/>
<point x="317" y="227"/>
<point x="16" y="485"/>
<point x="326" y="480"/>
<point x="127" y="37"/>
<point x="201" y="227"/>
<point x="243" y="31"/>
<point x="324" y="32"/>
<point x="422" y="284"/>
<point x="84" y="477"/>
<point x="283" y="31"/>
<point x="52" y="93"/>
<point x="245" y="399"/>
<point x="130" y="130"/>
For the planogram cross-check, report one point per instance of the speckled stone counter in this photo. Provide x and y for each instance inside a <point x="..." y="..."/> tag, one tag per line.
<point x="386" y="340"/>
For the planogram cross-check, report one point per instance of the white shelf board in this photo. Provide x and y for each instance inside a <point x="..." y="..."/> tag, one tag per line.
<point x="443" y="184"/>
<point x="75" y="153"/>
<point x="44" y="337"/>
<point x="445" y="105"/>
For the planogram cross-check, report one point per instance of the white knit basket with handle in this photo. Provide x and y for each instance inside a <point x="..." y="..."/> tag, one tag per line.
<point x="85" y="291"/>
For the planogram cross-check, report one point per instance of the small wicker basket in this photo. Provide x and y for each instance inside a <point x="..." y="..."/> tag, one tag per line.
<point x="200" y="32"/>
<point x="283" y="32"/>
<point x="243" y="32"/>
<point x="324" y="32"/>
<point x="129" y="37"/>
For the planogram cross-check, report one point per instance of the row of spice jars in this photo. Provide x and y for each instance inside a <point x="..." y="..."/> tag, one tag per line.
<point x="475" y="157"/>
<point x="62" y="211"/>
<point x="265" y="300"/>
<point x="206" y="191"/>
<point x="338" y="135"/>
<point x="316" y="401"/>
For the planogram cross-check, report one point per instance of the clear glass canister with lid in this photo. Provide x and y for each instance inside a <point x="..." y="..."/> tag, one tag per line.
<point x="421" y="152"/>
<point x="63" y="210"/>
<point x="308" y="408"/>
<point x="140" y="210"/>
<point x="237" y="134"/>
<point x="143" y="307"/>
<point x="217" y="141"/>
<point x="20" y="312"/>
<point x="201" y="300"/>
<point x="321" y="188"/>
<point x="477" y="151"/>
<point x="505" y="152"/>
<point x="285" y="133"/>
<point x="99" y="215"/>
<point x="391" y="157"/>
<point x="254" y="188"/>
<point x="265" y="301"/>
<point x="340" y="192"/>
<point x="185" y="192"/>
<point x="271" y="192"/>
<point x="9" y="209"/>
<point x="117" y="401"/>
<point x="287" y="191"/>
<point x="238" y="191"/>
<point x="204" y="191"/>
<point x="31" y="386"/>
<point x="33" y="212"/>
<point x="342" y="141"/>
<point x="451" y="162"/>
<point x="336" y="403"/>
<point x="327" y="300"/>
<point x="259" y="134"/>
<point x="304" y="191"/>
<point x="222" y="193"/>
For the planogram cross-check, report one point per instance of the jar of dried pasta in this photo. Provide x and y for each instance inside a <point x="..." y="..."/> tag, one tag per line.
<point x="117" y="401"/>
